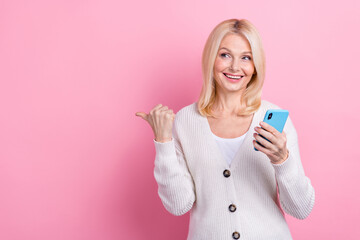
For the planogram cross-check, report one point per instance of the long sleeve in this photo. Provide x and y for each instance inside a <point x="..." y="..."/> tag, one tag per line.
<point x="175" y="184"/>
<point x="297" y="195"/>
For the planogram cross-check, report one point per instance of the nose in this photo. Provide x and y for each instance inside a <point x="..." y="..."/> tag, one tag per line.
<point x="235" y="65"/>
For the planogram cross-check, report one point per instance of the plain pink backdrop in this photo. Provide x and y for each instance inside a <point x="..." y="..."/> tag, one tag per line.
<point x="75" y="161"/>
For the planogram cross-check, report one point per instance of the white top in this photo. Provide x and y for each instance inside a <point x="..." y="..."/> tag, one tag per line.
<point x="229" y="146"/>
<point x="224" y="201"/>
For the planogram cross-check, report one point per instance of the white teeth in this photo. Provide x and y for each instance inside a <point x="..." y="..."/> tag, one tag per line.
<point x="237" y="77"/>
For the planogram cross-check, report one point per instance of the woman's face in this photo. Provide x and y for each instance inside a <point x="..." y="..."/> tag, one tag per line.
<point x="234" y="58"/>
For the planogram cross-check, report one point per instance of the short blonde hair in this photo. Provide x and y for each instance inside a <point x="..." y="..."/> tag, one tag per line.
<point x="252" y="94"/>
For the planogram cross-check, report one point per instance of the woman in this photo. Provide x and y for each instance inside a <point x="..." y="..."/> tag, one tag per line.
<point x="205" y="159"/>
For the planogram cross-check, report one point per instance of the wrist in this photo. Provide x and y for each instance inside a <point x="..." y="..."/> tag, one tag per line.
<point x="163" y="140"/>
<point x="283" y="160"/>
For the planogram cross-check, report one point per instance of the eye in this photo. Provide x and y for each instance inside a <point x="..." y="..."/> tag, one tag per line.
<point x="248" y="57"/>
<point x="224" y="54"/>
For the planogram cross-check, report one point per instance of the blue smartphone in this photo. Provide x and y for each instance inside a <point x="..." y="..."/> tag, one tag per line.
<point x="276" y="118"/>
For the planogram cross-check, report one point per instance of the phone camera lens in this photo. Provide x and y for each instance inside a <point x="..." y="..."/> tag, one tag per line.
<point x="270" y="115"/>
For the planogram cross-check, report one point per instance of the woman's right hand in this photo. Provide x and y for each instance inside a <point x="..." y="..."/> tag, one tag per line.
<point x="161" y="121"/>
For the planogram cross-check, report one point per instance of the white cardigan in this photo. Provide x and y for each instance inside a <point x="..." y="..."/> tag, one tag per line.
<point x="239" y="201"/>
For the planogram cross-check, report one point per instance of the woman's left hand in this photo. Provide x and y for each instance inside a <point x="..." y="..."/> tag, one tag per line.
<point x="275" y="149"/>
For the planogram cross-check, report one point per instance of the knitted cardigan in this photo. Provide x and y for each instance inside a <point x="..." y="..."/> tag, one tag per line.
<point x="192" y="175"/>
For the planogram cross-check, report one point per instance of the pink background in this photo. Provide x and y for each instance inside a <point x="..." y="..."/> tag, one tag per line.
<point x="75" y="161"/>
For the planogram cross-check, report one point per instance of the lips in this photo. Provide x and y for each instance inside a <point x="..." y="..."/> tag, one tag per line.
<point x="232" y="75"/>
<point x="233" y="78"/>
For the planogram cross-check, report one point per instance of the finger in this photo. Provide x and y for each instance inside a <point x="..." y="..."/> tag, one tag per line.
<point x="163" y="108"/>
<point x="266" y="134"/>
<point x="263" y="141"/>
<point x="261" y="148"/>
<point x="156" y="108"/>
<point x="269" y="128"/>
<point x="170" y="112"/>
<point x="142" y="115"/>
<point x="169" y="115"/>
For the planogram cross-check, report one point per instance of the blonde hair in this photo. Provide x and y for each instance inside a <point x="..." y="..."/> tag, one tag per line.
<point x="252" y="94"/>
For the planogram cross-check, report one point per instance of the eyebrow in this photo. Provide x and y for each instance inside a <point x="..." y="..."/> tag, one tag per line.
<point x="230" y="51"/>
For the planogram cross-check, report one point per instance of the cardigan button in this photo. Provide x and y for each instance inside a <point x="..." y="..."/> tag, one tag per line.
<point x="226" y="173"/>
<point x="236" y="235"/>
<point x="232" y="208"/>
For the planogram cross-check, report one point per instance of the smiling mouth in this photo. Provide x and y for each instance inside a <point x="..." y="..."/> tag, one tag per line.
<point x="233" y="76"/>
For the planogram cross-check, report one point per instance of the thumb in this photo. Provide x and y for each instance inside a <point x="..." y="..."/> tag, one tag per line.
<point x="142" y="115"/>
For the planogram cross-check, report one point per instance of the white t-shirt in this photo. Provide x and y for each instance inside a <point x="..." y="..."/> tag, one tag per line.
<point x="229" y="146"/>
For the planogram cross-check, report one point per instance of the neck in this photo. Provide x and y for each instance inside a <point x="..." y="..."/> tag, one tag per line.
<point x="228" y="105"/>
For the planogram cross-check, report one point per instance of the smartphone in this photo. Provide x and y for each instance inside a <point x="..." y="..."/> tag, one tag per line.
<point x="276" y="118"/>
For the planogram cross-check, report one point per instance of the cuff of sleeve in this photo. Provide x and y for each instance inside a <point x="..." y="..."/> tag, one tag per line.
<point x="165" y="149"/>
<point x="286" y="170"/>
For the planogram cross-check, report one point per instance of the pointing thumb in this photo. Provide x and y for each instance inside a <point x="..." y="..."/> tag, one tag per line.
<point x="142" y="115"/>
